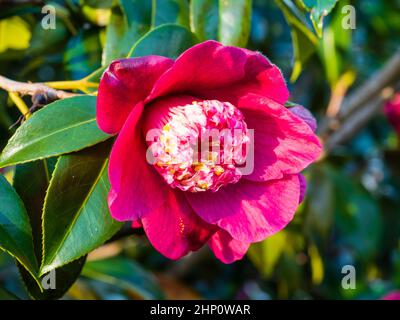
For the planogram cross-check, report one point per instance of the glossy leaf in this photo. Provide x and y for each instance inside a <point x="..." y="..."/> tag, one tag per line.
<point x="234" y="22"/>
<point x="227" y="21"/>
<point x="64" y="278"/>
<point x="204" y="19"/>
<point x="63" y="126"/>
<point x="124" y="29"/>
<point x="116" y="29"/>
<point x="137" y="12"/>
<point x="303" y="39"/>
<point x="330" y="57"/>
<point x="125" y="274"/>
<point x="15" y="230"/>
<point x="31" y="181"/>
<point x="76" y="218"/>
<point x="95" y="76"/>
<point x="318" y="10"/>
<point x="168" y="40"/>
<point x="170" y="11"/>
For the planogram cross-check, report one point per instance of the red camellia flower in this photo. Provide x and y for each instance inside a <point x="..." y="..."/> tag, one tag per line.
<point x="392" y="111"/>
<point x="183" y="196"/>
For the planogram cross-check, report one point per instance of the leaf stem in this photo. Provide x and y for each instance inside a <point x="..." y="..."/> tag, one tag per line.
<point x="20" y="104"/>
<point x="82" y="85"/>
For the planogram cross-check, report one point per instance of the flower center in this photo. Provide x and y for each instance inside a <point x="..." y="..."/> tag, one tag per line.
<point x="200" y="146"/>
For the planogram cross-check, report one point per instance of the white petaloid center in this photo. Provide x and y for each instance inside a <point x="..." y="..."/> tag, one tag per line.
<point x="200" y="145"/>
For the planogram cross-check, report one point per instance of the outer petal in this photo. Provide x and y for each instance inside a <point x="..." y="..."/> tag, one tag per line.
<point x="283" y="143"/>
<point x="174" y="229"/>
<point x="137" y="224"/>
<point x="226" y="248"/>
<point x="211" y="70"/>
<point x="136" y="188"/>
<point x="249" y="211"/>
<point x="304" y="114"/>
<point x="125" y="83"/>
<point x="303" y="187"/>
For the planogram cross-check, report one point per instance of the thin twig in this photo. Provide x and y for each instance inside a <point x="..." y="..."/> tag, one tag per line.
<point x="356" y="121"/>
<point x="363" y="95"/>
<point x="32" y="89"/>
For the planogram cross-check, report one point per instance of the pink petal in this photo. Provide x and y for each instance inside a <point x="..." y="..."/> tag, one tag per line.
<point x="136" y="224"/>
<point x="393" y="295"/>
<point x="249" y="211"/>
<point x="303" y="187"/>
<point x="304" y="114"/>
<point x="283" y="143"/>
<point x="226" y="248"/>
<point x="174" y="229"/>
<point x="211" y="70"/>
<point x="125" y="83"/>
<point x="136" y="188"/>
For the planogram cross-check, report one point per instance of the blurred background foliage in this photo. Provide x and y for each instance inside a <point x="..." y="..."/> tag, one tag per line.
<point x="351" y="212"/>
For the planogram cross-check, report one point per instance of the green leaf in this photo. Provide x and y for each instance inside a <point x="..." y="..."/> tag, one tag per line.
<point x="204" y="19"/>
<point x="266" y="254"/>
<point x="6" y="295"/>
<point x="329" y="56"/>
<point x="61" y="127"/>
<point x="31" y="181"/>
<point x="124" y="29"/>
<point x="168" y="40"/>
<point x="234" y="22"/>
<point x="65" y="277"/>
<point x="83" y="54"/>
<point x="15" y="230"/>
<point x="303" y="39"/>
<point x="170" y="11"/>
<point x="137" y="12"/>
<point x="97" y="3"/>
<point x="116" y="29"/>
<point x="358" y="219"/>
<point x="95" y="76"/>
<point x="228" y="21"/>
<point x="125" y="274"/>
<point x="318" y="10"/>
<point x="76" y="218"/>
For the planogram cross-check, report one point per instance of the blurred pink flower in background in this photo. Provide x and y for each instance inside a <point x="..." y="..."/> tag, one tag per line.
<point x="392" y="111"/>
<point x="182" y="203"/>
<point x="393" y="295"/>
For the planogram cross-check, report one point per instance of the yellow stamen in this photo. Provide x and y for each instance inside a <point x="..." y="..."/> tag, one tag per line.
<point x="218" y="170"/>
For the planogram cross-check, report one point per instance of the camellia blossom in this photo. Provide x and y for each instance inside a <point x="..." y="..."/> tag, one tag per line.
<point x="184" y="196"/>
<point x="392" y="111"/>
<point x="393" y="295"/>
